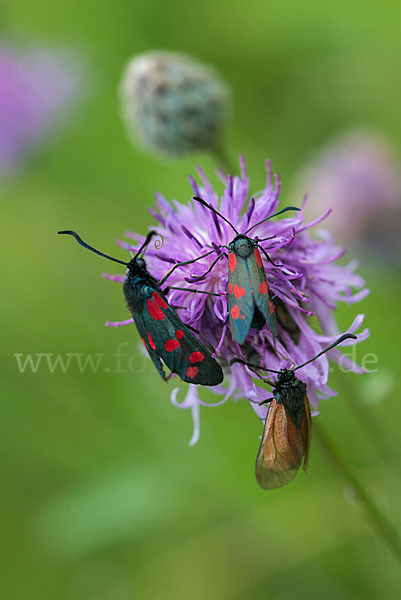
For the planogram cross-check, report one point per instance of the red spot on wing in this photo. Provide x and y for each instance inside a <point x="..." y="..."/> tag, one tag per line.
<point x="232" y="261"/>
<point x="242" y="317"/>
<point x="192" y="372"/>
<point x="159" y="301"/>
<point x="151" y="342"/>
<point x="271" y="307"/>
<point x="196" y="357"/>
<point x="230" y="288"/>
<point x="235" y="311"/>
<point x="171" y="345"/>
<point x="144" y="342"/>
<point x="258" y="259"/>
<point x="263" y="287"/>
<point x="179" y="334"/>
<point x="239" y="291"/>
<point x="154" y="309"/>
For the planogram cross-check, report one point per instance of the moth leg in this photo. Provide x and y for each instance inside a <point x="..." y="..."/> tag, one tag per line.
<point x="173" y="287"/>
<point x="199" y="277"/>
<point x="268" y="257"/>
<point x="265" y="239"/>
<point x="180" y="264"/>
<point x="265" y="401"/>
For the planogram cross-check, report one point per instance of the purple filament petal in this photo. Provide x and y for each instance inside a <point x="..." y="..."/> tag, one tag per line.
<point x="119" y="323"/>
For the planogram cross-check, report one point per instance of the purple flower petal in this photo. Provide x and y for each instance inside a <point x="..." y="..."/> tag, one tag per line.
<point x="357" y="176"/>
<point x="191" y="401"/>
<point x="38" y="88"/>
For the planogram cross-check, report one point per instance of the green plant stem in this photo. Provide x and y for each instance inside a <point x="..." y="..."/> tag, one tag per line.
<point x="377" y="519"/>
<point x="369" y="418"/>
<point x="222" y="159"/>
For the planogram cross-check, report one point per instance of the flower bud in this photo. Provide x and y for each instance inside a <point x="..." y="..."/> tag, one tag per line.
<point x="173" y="104"/>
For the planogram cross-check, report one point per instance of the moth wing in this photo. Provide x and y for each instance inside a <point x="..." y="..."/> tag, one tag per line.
<point x="192" y="361"/>
<point x="182" y="352"/>
<point x="147" y="340"/>
<point x="276" y="464"/>
<point x="306" y="432"/>
<point x="261" y="293"/>
<point x="241" y="303"/>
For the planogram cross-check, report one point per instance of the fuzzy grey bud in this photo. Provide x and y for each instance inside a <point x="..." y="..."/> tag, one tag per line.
<point x="173" y="104"/>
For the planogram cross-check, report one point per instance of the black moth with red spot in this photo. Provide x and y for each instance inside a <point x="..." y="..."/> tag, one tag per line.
<point x="161" y="329"/>
<point x="248" y="297"/>
<point x="163" y="333"/>
<point x="249" y="302"/>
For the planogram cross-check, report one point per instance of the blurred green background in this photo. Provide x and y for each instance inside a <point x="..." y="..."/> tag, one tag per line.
<point x="101" y="497"/>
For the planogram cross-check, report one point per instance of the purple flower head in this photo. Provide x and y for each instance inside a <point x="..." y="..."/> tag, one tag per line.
<point x="306" y="285"/>
<point x="36" y="88"/>
<point x="358" y="176"/>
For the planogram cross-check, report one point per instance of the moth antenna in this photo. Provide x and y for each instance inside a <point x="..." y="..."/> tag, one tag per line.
<point x="283" y="210"/>
<point x="216" y="212"/>
<point x="158" y="243"/>
<point x="345" y="336"/>
<point x="91" y="248"/>
<point x="253" y="367"/>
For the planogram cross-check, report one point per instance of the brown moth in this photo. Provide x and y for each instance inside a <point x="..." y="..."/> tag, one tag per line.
<point x="287" y="433"/>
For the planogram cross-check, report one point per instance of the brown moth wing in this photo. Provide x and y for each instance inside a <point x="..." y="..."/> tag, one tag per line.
<point x="306" y="432"/>
<point x="281" y="450"/>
